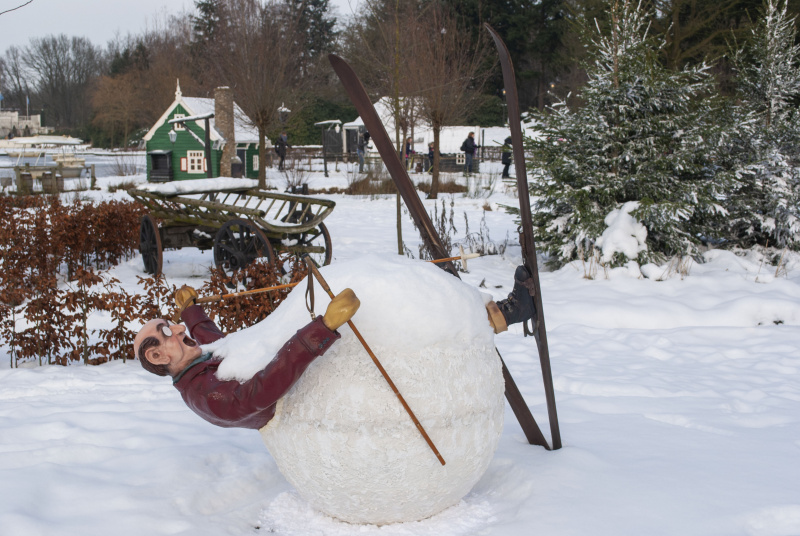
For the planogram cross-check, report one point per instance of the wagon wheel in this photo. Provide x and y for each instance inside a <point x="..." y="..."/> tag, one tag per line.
<point x="316" y="243"/>
<point x="150" y="245"/>
<point x="238" y="243"/>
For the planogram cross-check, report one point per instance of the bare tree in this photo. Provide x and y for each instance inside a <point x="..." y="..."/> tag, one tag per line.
<point x="447" y="74"/>
<point x="14" y="78"/>
<point x="140" y="80"/>
<point x="168" y="60"/>
<point x="258" y="58"/>
<point x="118" y="104"/>
<point x="379" y="44"/>
<point x="63" y="70"/>
<point x="16" y="8"/>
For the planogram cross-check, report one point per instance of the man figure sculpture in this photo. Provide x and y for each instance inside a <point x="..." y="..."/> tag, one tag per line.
<point x="164" y="348"/>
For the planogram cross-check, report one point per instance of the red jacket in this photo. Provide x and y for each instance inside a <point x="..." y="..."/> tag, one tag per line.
<point x="251" y="404"/>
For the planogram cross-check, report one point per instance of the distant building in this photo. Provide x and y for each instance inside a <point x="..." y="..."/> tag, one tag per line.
<point x="11" y="121"/>
<point x="450" y="137"/>
<point x="185" y="158"/>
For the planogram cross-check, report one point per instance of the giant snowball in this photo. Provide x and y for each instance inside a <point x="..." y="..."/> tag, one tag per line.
<point x="341" y="436"/>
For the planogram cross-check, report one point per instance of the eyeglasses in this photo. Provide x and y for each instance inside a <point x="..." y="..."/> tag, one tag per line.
<point x="165" y="329"/>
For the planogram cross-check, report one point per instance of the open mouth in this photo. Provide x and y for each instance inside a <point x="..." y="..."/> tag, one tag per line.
<point x="189" y="342"/>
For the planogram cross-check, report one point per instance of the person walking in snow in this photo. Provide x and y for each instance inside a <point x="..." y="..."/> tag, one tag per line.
<point x="361" y="150"/>
<point x="469" y="146"/>
<point x="505" y="158"/>
<point x="163" y="348"/>
<point x="409" y="151"/>
<point x="281" y="144"/>
<point x="429" y="168"/>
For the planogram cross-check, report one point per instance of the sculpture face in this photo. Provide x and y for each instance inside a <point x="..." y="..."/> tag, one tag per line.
<point x="175" y="349"/>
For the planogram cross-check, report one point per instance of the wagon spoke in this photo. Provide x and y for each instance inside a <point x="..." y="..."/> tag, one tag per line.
<point x="238" y="243"/>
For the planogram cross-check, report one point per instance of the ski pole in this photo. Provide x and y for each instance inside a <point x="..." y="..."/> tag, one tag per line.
<point x="324" y="285"/>
<point x="462" y="257"/>
<point x="220" y="297"/>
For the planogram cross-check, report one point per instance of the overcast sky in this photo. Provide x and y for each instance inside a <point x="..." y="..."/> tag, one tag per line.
<point x="99" y="20"/>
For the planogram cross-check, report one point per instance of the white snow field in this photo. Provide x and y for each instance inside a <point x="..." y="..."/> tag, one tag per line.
<point x="678" y="400"/>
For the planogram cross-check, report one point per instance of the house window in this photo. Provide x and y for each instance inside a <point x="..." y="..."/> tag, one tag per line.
<point x="196" y="161"/>
<point x="255" y="162"/>
<point x="178" y="126"/>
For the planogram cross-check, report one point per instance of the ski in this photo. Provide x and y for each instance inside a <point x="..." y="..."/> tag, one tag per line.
<point x="358" y="96"/>
<point x="526" y="236"/>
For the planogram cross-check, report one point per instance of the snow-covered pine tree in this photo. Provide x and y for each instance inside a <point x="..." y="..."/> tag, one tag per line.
<point x="639" y="136"/>
<point x="763" y="135"/>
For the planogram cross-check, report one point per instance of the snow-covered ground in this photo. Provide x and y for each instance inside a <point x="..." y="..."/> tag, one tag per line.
<point x="678" y="400"/>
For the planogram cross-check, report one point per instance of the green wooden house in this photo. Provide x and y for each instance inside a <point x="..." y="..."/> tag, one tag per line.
<point x="184" y="158"/>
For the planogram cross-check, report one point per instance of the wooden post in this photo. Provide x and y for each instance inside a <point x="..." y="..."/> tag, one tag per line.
<point x="207" y="149"/>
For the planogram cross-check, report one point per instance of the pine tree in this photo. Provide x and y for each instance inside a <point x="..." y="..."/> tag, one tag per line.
<point x="762" y="145"/>
<point x="207" y="27"/>
<point x="536" y="33"/>
<point x="316" y="24"/>
<point x="206" y="24"/>
<point x="640" y="136"/>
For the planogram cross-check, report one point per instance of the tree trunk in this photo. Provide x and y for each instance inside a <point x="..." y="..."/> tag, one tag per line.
<point x="399" y="225"/>
<point x="262" y="158"/>
<point x="435" y="176"/>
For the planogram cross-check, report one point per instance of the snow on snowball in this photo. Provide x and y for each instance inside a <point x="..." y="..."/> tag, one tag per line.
<point x="340" y="436"/>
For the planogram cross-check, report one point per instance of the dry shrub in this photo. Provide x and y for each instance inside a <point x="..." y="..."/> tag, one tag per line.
<point x="446" y="186"/>
<point x="42" y="242"/>
<point x="368" y="186"/>
<point x="236" y="313"/>
<point x="363" y="186"/>
<point x="124" y="185"/>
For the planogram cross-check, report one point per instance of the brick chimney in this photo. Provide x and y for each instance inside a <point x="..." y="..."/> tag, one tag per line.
<point x="223" y="120"/>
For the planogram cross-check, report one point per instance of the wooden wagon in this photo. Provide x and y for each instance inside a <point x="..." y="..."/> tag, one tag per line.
<point x="239" y="222"/>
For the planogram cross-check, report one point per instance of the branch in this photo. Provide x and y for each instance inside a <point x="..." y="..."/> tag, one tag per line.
<point x="15" y="8"/>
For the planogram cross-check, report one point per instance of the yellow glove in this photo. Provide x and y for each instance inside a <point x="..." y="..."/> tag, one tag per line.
<point x="341" y="309"/>
<point x="185" y="296"/>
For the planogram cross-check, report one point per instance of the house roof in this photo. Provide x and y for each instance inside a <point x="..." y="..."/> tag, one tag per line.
<point x="384" y="109"/>
<point x="243" y="130"/>
<point x="450" y="137"/>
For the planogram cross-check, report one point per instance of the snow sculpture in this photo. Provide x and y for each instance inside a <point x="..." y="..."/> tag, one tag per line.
<point x="340" y="435"/>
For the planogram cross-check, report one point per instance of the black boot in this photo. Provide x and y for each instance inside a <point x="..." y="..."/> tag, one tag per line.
<point x="518" y="307"/>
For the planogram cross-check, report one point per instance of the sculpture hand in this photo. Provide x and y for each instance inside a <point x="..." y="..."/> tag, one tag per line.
<point x="341" y="309"/>
<point x="185" y="296"/>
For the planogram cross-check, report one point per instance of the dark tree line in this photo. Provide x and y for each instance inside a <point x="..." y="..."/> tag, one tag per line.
<point x="112" y="94"/>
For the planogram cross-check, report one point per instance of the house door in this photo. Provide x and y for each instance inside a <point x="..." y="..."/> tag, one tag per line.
<point x="160" y="166"/>
<point x="239" y="169"/>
